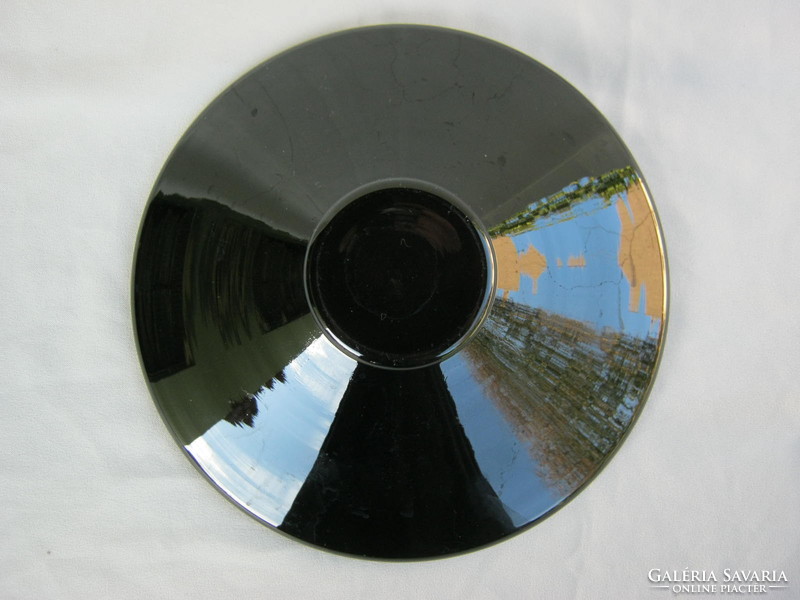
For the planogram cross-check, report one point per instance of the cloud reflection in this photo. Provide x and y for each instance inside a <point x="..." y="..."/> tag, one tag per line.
<point x="263" y="467"/>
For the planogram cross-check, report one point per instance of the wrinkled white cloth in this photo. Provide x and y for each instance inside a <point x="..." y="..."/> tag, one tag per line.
<point x="97" y="500"/>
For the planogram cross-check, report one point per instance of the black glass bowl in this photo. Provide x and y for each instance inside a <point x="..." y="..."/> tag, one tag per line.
<point x="400" y="292"/>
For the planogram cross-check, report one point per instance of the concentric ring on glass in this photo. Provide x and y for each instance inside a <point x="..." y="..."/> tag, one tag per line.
<point x="398" y="275"/>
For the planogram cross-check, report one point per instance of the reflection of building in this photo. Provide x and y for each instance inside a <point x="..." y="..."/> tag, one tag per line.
<point x="568" y="390"/>
<point x="640" y="252"/>
<point x="576" y="261"/>
<point x="511" y="265"/>
<point x="220" y="310"/>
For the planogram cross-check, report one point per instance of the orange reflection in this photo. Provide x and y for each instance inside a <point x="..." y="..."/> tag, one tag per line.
<point x="639" y="252"/>
<point x="511" y="265"/>
<point x="576" y="261"/>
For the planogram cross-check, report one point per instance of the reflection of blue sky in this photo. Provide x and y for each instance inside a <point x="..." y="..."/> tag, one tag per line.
<point x="503" y="459"/>
<point x="598" y="293"/>
<point x="263" y="467"/>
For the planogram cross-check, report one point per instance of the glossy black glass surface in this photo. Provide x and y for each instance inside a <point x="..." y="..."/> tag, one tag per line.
<point x="396" y="474"/>
<point x="398" y="277"/>
<point x="400" y="292"/>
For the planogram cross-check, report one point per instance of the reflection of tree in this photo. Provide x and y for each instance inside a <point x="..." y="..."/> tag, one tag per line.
<point x="244" y="409"/>
<point x="220" y="309"/>
<point x="604" y="187"/>
<point x="568" y="390"/>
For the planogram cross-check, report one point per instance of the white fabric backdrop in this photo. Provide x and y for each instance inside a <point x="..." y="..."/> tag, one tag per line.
<point x="97" y="500"/>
